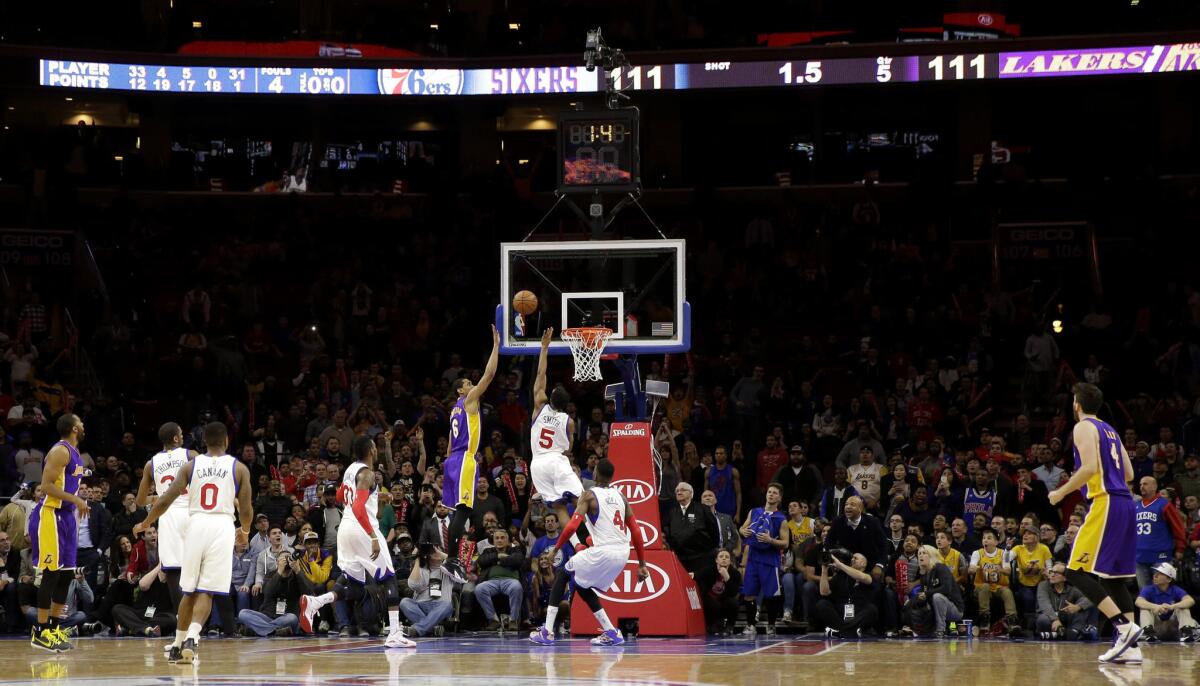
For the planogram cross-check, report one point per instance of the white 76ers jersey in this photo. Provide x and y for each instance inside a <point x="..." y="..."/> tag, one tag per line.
<point x="165" y="466"/>
<point x="213" y="487"/>
<point x="350" y="492"/>
<point x="548" y="435"/>
<point x="609" y="527"/>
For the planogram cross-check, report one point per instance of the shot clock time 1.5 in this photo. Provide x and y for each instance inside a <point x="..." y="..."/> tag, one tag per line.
<point x="598" y="150"/>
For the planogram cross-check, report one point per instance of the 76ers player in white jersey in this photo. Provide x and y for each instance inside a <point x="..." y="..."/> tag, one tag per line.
<point x="217" y="486"/>
<point x="612" y="526"/>
<point x="158" y="475"/>
<point x="550" y="439"/>
<point x="362" y="549"/>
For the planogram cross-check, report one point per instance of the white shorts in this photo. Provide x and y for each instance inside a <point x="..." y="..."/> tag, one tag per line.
<point x="554" y="478"/>
<point x="208" y="555"/>
<point x="354" y="553"/>
<point x="172" y="528"/>
<point x="598" y="567"/>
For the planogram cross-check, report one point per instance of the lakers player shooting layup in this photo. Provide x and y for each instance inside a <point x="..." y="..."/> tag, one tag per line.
<point x="158" y="475"/>
<point x="550" y="441"/>
<point x="1103" y="556"/>
<point x="53" y="527"/>
<point x="460" y="468"/>
<point x="613" y="526"/>
<point x="217" y="485"/>
<point x="362" y="549"/>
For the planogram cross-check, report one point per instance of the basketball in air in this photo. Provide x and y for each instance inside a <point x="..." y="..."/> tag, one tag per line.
<point x="525" y="302"/>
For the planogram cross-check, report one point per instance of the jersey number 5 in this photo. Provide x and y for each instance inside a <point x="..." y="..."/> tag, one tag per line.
<point x="546" y="438"/>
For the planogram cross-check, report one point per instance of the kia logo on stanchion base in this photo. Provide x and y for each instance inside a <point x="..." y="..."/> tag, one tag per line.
<point x="635" y="490"/>
<point x="628" y="588"/>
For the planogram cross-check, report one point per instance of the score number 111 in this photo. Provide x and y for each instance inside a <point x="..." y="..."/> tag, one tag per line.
<point x="956" y="65"/>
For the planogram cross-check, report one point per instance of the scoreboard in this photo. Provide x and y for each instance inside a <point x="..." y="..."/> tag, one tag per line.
<point x="967" y="65"/>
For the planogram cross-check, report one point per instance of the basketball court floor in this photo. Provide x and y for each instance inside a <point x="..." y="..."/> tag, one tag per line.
<point x="491" y="661"/>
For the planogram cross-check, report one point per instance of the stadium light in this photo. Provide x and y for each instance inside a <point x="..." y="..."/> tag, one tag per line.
<point x="1056" y="326"/>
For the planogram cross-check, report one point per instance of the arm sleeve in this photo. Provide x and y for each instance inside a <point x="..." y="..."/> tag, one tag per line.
<point x="359" y="508"/>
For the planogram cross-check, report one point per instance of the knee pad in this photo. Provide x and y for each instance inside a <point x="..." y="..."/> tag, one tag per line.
<point x="347" y="588"/>
<point x="391" y="592"/>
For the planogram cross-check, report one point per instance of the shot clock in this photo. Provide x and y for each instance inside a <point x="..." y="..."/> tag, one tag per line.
<point x="598" y="151"/>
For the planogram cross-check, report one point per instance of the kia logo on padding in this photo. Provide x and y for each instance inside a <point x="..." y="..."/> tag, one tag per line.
<point x="628" y="588"/>
<point x="635" y="490"/>
<point x="649" y="533"/>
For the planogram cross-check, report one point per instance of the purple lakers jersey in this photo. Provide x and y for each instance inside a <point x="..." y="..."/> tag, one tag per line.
<point x="69" y="481"/>
<point x="464" y="429"/>
<point x="1110" y="480"/>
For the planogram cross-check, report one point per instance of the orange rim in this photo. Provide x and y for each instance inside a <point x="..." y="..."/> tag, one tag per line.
<point x="590" y="337"/>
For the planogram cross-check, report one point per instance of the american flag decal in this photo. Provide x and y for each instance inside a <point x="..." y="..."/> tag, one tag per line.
<point x="662" y="328"/>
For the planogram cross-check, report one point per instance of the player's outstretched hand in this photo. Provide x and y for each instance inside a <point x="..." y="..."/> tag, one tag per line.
<point x="374" y="548"/>
<point x="546" y="336"/>
<point x="138" y="529"/>
<point x="1055" y="497"/>
<point x="495" y="336"/>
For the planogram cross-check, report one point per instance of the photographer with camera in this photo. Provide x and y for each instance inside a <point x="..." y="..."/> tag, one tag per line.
<point x="433" y="589"/>
<point x="847" y="604"/>
<point x="278" y="613"/>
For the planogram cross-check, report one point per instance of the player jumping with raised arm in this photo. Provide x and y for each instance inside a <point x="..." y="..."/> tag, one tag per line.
<point x="550" y="441"/>
<point x="460" y="468"/>
<point x="1103" y="556"/>
<point x="612" y="525"/>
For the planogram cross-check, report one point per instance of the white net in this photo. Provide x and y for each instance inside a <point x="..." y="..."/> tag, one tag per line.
<point x="587" y="345"/>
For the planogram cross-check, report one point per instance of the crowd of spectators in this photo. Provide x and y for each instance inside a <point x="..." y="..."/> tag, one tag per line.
<point x="905" y="410"/>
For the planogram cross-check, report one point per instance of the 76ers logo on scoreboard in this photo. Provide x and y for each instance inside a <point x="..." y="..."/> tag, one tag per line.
<point x="635" y="490"/>
<point x="628" y="588"/>
<point x="421" y="81"/>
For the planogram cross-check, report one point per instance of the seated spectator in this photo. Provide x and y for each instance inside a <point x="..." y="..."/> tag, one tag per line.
<point x="721" y="598"/>
<point x="1063" y="612"/>
<point x="915" y="509"/>
<point x="261" y="540"/>
<point x="278" y="612"/>
<point x="990" y="565"/>
<point x="10" y="571"/>
<point x="808" y="583"/>
<point x="129" y="515"/>
<point x="540" y="583"/>
<point x="264" y="564"/>
<point x="938" y="598"/>
<point x="499" y="574"/>
<point x="962" y="540"/>
<point x="79" y="602"/>
<point x="1166" y="608"/>
<point x="1031" y="559"/>
<point x="432" y="585"/>
<point x="833" y="498"/>
<point x="1062" y="547"/>
<point x="314" y="567"/>
<point x="150" y="614"/>
<point x="404" y="556"/>
<point x="847" y="606"/>
<point x="956" y="561"/>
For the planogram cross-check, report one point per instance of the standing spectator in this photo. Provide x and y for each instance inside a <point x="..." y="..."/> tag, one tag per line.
<point x="33" y="318"/>
<point x="1189" y="479"/>
<point x="94" y="534"/>
<point x="1161" y="535"/>
<point x="1031" y="559"/>
<point x="499" y="569"/>
<point x="691" y="531"/>
<point x="14" y="517"/>
<point x="28" y="458"/>
<point x="833" y="499"/>
<point x="21" y="359"/>
<point x="1166" y="608"/>
<point x="485" y="502"/>
<point x="326" y="518"/>
<point x="991" y="569"/>
<point x="770" y="459"/>
<point x="867" y="476"/>
<point x="851" y="452"/>
<point x="433" y="588"/>
<point x="340" y="430"/>
<point x="800" y="480"/>
<point x="721" y="597"/>
<point x="129" y="515"/>
<point x="861" y="533"/>
<point x="274" y="504"/>
<point x="847" y="605"/>
<point x="261" y="540"/>
<point x="1041" y="356"/>
<point x="724" y="480"/>
<point x="1063" y="611"/>
<point x="727" y="529"/>
<point x="747" y="396"/>
<point x="1046" y="472"/>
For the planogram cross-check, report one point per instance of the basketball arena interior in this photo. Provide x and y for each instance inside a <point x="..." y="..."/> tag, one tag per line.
<point x="636" y="343"/>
